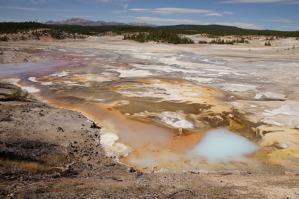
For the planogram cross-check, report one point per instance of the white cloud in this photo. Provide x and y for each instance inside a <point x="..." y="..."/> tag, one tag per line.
<point x="180" y="11"/>
<point x="119" y="11"/>
<point x="19" y="8"/>
<point x="291" y="2"/>
<point x="123" y="3"/>
<point x="38" y="1"/>
<point x="34" y="9"/>
<point x="241" y="25"/>
<point x="139" y="9"/>
<point x="262" y="1"/>
<point x="176" y="21"/>
<point x="78" y="16"/>
<point x="15" y="2"/>
<point x="213" y="14"/>
<point x="105" y="1"/>
<point x="195" y="22"/>
<point x="228" y="13"/>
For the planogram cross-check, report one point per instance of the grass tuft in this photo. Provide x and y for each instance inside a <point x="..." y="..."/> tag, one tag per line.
<point x="18" y="95"/>
<point x="23" y="165"/>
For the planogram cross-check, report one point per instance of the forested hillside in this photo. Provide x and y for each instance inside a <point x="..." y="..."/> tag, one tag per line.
<point x="165" y="34"/>
<point x="219" y="30"/>
<point x="160" y="36"/>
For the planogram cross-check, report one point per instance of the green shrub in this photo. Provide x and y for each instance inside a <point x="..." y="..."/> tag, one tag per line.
<point x="18" y="95"/>
<point x="4" y="38"/>
<point x="158" y="36"/>
<point x="267" y="43"/>
<point x="202" y="42"/>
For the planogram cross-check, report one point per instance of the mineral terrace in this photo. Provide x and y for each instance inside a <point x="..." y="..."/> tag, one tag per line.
<point x="171" y="108"/>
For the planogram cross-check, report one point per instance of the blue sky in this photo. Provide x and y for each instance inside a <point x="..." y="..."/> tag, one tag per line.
<point x="255" y="14"/>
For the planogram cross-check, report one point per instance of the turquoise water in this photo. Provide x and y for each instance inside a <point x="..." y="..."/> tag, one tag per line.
<point x="223" y="145"/>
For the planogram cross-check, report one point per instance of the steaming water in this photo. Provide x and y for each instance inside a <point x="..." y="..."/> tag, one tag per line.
<point x="223" y="145"/>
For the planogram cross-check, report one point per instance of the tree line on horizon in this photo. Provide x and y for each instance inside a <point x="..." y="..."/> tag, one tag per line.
<point x="213" y="30"/>
<point x="159" y="36"/>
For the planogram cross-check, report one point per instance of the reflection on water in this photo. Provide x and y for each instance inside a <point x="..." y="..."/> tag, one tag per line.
<point x="164" y="118"/>
<point x="25" y="69"/>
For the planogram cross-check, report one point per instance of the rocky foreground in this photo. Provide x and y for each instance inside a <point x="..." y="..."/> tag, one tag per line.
<point x="47" y="152"/>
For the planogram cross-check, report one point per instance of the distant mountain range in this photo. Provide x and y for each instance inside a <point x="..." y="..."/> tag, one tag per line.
<point x="85" y="22"/>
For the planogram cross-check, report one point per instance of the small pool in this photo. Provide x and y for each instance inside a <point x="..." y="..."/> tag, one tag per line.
<point x="223" y="145"/>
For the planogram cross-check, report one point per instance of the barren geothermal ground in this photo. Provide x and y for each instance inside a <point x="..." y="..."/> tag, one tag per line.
<point x="194" y="121"/>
